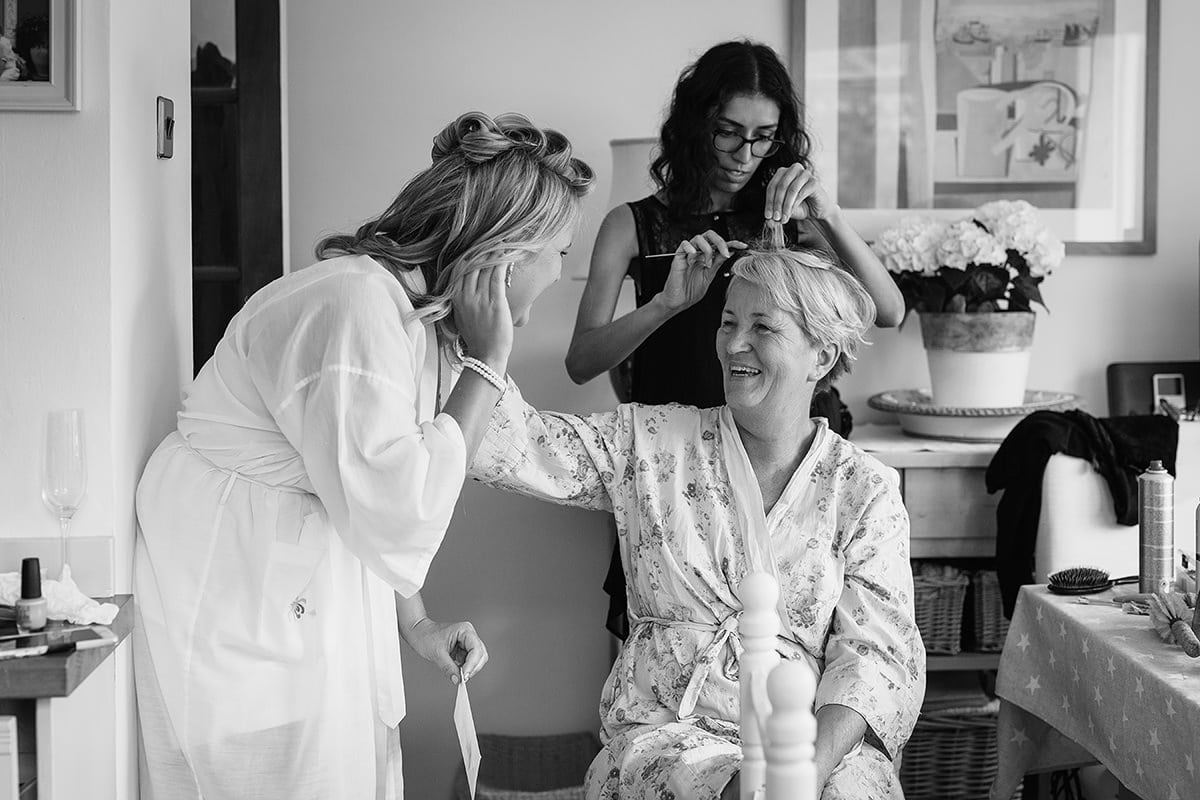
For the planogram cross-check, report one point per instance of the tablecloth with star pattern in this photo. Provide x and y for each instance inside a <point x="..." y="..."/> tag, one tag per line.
<point x="1081" y="682"/>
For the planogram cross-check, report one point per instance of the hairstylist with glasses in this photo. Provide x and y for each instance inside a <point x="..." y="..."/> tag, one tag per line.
<point x="734" y="154"/>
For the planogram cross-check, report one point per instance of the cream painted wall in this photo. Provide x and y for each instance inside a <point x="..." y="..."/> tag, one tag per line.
<point x="95" y="286"/>
<point x="150" y="275"/>
<point x="361" y="117"/>
<point x="95" y="297"/>
<point x="55" y="242"/>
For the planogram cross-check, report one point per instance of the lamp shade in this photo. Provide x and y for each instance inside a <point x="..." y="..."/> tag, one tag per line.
<point x="631" y="170"/>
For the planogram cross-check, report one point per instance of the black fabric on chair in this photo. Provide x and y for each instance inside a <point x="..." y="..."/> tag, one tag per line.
<point x="1131" y="385"/>
<point x="1120" y="448"/>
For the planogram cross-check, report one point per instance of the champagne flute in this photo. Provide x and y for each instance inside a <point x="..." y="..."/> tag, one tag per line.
<point x="64" y="477"/>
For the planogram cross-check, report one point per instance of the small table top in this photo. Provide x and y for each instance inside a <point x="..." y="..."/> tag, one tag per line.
<point x="893" y="447"/>
<point x="1081" y="682"/>
<point x="57" y="674"/>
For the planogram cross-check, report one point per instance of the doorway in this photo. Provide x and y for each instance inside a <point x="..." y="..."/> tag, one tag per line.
<point x="237" y="161"/>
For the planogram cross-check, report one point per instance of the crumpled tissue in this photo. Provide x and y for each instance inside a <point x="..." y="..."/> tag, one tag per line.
<point x="63" y="599"/>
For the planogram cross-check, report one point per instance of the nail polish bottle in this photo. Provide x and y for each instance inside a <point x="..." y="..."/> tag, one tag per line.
<point x="31" y="608"/>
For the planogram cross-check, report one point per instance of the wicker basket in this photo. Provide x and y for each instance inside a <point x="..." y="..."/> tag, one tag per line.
<point x="530" y="767"/>
<point x="951" y="755"/>
<point x="939" y="608"/>
<point x="991" y="628"/>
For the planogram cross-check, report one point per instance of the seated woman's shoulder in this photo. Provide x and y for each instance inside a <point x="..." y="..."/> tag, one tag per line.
<point x="676" y="419"/>
<point x="857" y="464"/>
<point x="672" y="411"/>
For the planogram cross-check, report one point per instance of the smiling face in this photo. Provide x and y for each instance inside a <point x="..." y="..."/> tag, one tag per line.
<point x="750" y="116"/>
<point x="770" y="367"/>
<point x="534" y="276"/>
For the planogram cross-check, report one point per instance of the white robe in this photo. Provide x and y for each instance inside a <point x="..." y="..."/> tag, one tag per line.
<point x="308" y="481"/>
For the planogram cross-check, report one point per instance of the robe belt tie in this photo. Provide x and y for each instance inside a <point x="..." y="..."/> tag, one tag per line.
<point x="233" y="474"/>
<point x="724" y="634"/>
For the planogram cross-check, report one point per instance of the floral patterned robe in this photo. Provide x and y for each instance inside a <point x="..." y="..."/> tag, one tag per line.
<point x="691" y="525"/>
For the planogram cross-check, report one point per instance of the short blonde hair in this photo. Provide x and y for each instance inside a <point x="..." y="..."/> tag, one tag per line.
<point x="498" y="191"/>
<point x="829" y="304"/>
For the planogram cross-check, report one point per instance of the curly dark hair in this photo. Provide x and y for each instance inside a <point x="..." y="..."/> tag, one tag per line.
<point x="685" y="164"/>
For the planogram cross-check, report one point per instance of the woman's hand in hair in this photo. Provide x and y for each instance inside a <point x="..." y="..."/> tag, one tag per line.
<point x="692" y="270"/>
<point x="795" y="193"/>
<point x="482" y="316"/>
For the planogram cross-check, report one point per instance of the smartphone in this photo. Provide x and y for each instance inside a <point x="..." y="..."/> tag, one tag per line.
<point x="56" y="640"/>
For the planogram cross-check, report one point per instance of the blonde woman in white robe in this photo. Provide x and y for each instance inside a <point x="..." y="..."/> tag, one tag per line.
<point x="704" y="496"/>
<point x="288" y="524"/>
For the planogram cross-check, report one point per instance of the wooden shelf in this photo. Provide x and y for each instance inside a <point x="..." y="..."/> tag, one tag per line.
<point x="963" y="662"/>
<point x="57" y="675"/>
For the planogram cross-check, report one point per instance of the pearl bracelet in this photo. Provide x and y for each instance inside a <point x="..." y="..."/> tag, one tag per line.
<point x="487" y="373"/>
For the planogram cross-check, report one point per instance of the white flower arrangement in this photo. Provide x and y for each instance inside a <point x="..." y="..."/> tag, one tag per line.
<point x="911" y="246"/>
<point x="965" y="243"/>
<point x="1015" y="225"/>
<point x="992" y="260"/>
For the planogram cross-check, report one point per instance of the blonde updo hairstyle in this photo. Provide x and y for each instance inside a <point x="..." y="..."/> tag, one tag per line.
<point x="828" y="303"/>
<point x="498" y="191"/>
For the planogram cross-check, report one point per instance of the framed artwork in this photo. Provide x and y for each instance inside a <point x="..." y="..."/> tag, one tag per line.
<point x="39" y="55"/>
<point x="934" y="107"/>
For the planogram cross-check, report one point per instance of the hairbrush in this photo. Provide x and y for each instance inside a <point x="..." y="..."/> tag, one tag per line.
<point x="1084" y="580"/>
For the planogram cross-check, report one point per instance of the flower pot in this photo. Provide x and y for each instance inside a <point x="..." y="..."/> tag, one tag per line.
<point x="978" y="360"/>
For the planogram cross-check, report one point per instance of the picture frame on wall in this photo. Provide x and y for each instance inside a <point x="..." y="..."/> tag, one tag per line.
<point x="40" y="65"/>
<point x="934" y="107"/>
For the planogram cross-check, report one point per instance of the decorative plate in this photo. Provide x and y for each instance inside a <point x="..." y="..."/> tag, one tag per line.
<point x="918" y="416"/>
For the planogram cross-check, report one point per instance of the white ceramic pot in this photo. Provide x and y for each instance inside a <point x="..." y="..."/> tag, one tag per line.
<point x="978" y="360"/>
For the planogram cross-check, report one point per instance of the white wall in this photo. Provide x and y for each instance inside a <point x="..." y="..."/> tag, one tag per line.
<point x="150" y="331"/>
<point x="150" y="278"/>
<point x="361" y="117"/>
<point x="95" y="291"/>
<point x="95" y="286"/>
<point x="55" y="241"/>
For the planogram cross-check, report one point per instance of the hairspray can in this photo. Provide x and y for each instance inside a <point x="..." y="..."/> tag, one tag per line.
<point x="1156" y="529"/>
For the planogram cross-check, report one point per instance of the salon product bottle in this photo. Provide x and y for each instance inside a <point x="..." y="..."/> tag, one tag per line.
<point x="31" y="608"/>
<point x="1156" y="529"/>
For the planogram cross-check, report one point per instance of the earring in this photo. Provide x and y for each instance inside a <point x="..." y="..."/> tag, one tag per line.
<point x="508" y="276"/>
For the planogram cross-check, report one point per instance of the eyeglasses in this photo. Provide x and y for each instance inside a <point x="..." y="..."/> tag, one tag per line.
<point x="730" y="142"/>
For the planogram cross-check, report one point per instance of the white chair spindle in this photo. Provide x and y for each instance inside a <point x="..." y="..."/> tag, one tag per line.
<point x="757" y="629"/>
<point x="791" y="733"/>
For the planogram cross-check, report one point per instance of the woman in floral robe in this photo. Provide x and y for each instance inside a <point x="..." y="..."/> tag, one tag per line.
<point x="702" y="497"/>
